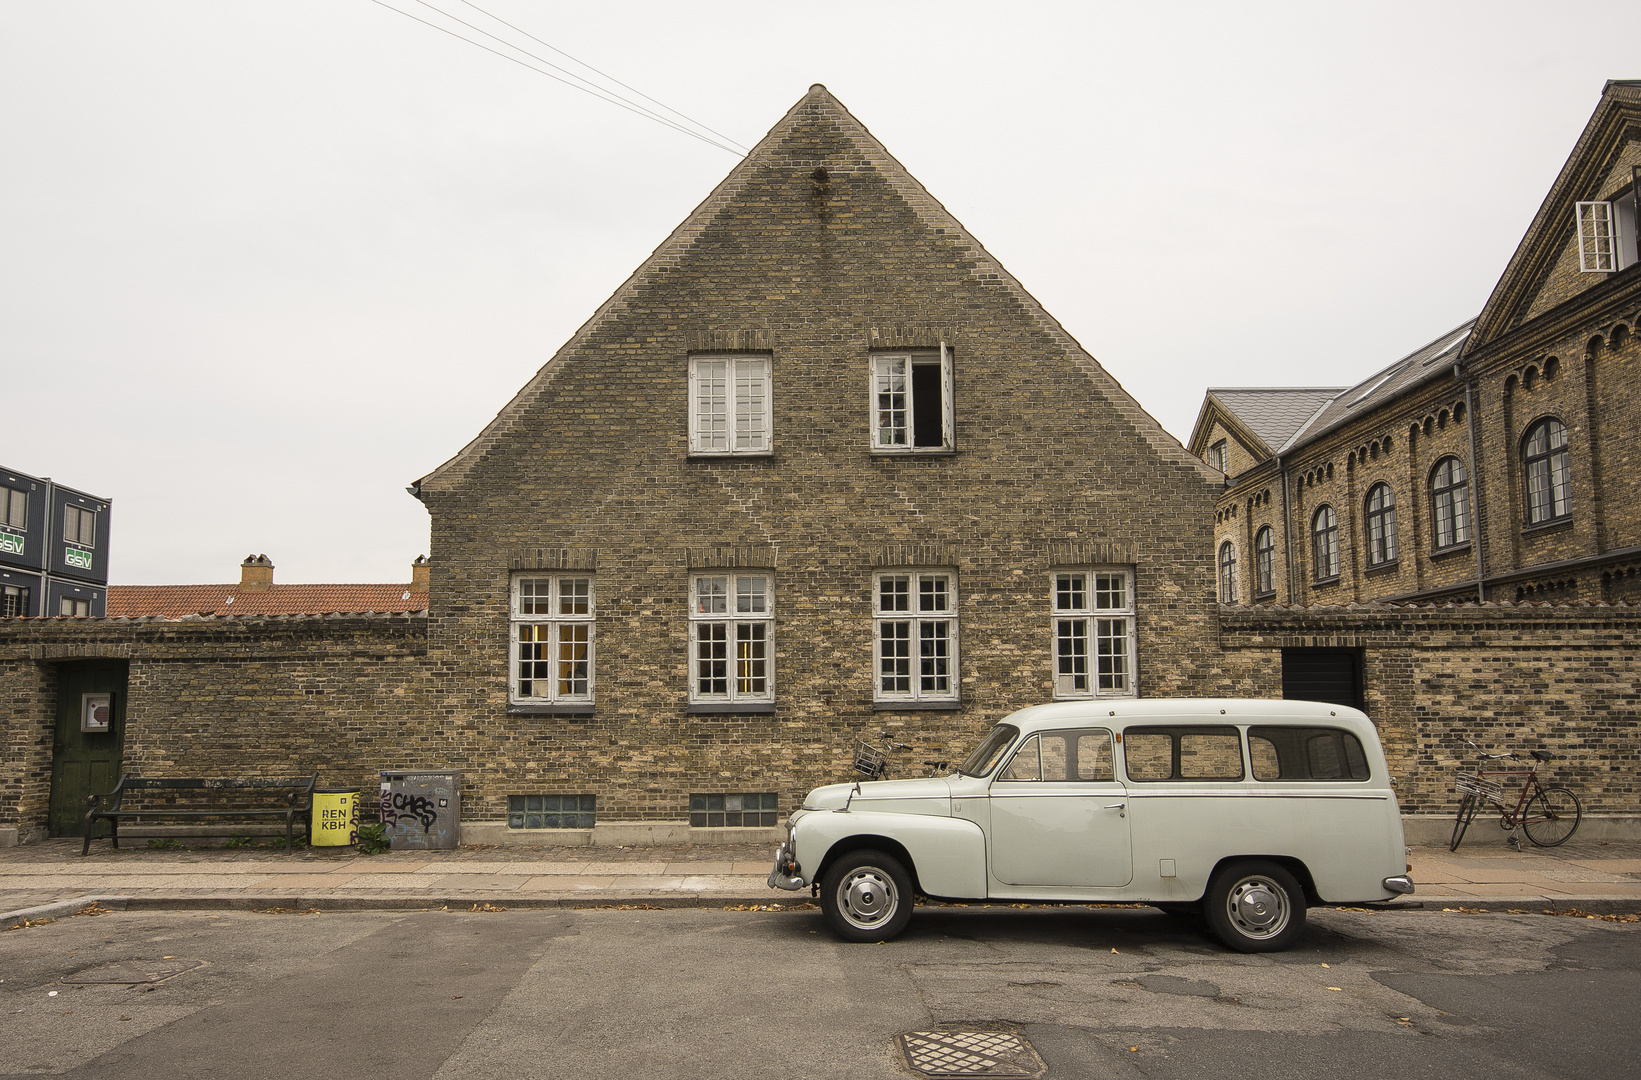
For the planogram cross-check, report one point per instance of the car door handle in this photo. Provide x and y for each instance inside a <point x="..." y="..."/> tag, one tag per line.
<point x="1121" y="806"/>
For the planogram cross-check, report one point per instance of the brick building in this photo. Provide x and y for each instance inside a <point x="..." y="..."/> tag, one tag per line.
<point x="1496" y="462"/>
<point x="820" y="468"/>
<point x="1493" y="467"/>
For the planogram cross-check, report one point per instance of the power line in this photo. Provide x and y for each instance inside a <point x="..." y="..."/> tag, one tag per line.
<point x="596" y="92"/>
<point x="601" y="74"/>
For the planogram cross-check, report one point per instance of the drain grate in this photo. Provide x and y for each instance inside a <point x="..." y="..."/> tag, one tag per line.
<point x="131" y="972"/>
<point x="970" y="1053"/>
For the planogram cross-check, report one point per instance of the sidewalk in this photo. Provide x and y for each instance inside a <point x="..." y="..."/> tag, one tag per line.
<point x="1591" y="876"/>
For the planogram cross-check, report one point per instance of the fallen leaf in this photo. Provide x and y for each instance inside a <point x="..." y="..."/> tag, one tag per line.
<point x="1336" y="988"/>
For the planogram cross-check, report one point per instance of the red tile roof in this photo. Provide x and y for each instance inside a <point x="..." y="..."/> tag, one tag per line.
<point x="175" y="601"/>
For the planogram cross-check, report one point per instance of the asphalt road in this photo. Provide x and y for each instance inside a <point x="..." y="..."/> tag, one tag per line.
<point x="713" y="993"/>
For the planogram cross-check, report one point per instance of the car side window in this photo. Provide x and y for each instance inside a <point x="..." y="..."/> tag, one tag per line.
<point x="1183" y="753"/>
<point x="1299" y="753"/>
<point x="1063" y="756"/>
<point x="1027" y="763"/>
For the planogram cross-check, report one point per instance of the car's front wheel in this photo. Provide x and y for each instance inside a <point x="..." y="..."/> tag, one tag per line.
<point x="1256" y="906"/>
<point x="867" y="896"/>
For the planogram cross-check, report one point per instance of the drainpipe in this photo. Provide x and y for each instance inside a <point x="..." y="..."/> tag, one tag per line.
<point x="1287" y="528"/>
<point x="1475" y="485"/>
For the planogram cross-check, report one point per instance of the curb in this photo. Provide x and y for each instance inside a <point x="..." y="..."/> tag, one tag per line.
<point x="1495" y="905"/>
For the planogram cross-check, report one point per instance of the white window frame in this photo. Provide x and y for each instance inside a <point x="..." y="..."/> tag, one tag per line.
<point x="1093" y="632"/>
<point x="891" y="395"/>
<point x="731" y="408"/>
<point x="1607" y="233"/>
<point x="13" y="508"/>
<point x="545" y="623"/>
<point x="1219" y="456"/>
<point x="724" y="607"/>
<point x="918" y="610"/>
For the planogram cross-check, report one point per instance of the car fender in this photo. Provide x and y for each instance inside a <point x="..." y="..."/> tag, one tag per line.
<point x="948" y="854"/>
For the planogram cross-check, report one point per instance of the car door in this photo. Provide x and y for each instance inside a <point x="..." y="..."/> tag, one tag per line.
<point x="1058" y="814"/>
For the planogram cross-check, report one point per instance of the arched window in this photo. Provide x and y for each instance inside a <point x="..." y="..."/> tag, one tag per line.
<point x="1227" y="573"/>
<point x="1325" y="543"/>
<point x="1381" y="525"/>
<point x="1544" y="458"/>
<point x="1264" y="562"/>
<point x="1450" y="503"/>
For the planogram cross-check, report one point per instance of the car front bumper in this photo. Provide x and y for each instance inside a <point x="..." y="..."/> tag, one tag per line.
<point x="785" y="873"/>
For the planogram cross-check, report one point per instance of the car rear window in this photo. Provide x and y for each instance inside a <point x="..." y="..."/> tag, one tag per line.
<point x="1182" y="753"/>
<point x="1305" y="753"/>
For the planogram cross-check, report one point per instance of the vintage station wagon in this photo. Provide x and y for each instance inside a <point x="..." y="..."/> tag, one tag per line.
<point x="1243" y="811"/>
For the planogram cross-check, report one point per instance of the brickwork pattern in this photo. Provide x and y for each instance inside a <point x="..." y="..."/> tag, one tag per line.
<point x="1506" y="676"/>
<point x="1049" y="454"/>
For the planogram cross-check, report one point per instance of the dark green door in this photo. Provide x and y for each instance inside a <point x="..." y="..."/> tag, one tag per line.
<point x="90" y="739"/>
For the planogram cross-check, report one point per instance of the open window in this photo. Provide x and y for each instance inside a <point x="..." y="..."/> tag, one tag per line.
<point x="912" y="401"/>
<point x="1607" y="234"/>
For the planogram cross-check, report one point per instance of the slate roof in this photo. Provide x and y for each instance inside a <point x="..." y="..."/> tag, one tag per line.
<point x="1274" y="413"/>
<point x="176" y="601"/>
<point x="1433" y="361"/>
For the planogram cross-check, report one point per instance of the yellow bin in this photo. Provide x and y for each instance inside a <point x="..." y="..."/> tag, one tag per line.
<point x="335" y="821"/>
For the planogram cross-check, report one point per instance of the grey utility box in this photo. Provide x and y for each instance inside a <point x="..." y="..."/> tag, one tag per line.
<point x="422" y="808"/>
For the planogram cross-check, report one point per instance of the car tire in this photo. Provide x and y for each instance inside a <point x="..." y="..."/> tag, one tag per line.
<point x="867" y="896"/>
<point x="1256" y="906"/>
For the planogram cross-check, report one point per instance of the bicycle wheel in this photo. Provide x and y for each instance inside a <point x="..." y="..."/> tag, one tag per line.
<point x="1552" y="815"/>
<point x="1467" y="812"/>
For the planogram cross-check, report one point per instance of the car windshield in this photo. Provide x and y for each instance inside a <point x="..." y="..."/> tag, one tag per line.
<point x="989" y="753"/>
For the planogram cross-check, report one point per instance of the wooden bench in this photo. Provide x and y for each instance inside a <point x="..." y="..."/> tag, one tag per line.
<point x="192" y="798"/>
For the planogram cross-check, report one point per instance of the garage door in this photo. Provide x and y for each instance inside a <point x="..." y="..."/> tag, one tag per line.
<point x="1330" y="675"/>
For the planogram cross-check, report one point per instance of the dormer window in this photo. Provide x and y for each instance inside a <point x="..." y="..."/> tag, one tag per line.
<point x="1607" y="234"/>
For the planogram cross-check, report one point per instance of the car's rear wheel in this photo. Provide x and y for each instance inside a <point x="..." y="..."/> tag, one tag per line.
<point x="1256" y="906"/>
<point x="867" y="896"/>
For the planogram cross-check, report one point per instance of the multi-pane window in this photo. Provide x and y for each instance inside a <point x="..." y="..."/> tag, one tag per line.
<point x="79" y="526"/>
<point x="912" y="401"/>
<point x="732" y="630"/>
<point x="1381" y="525"/>
<point x="13" y="601"/>
<point x="1216" y="456"/>
<point x="1596" y="249"/>
<point x="1265" y="562"/>
<point x="1450" y="503"/>
<point x="1549" y="480"/>
<point x="729" y="405"/>
<point x="1227" y="573"/>
<point x="552" y="811"/>
<point x="1325" y="543"/>
<point x="553" y="638"/>
<point x="13" y="508"/>
<point x="916" y="640"/>
<point x="80" y="609"/>
<point x="714" y="811"/>
<point x="1093" y="634"/>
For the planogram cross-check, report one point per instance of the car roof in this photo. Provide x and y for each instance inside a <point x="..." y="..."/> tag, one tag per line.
<point x="1187" y="710"/>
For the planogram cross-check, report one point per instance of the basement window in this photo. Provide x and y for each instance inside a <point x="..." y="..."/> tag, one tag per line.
<point x="719" y="811"/>
<point x="551" y="811"/>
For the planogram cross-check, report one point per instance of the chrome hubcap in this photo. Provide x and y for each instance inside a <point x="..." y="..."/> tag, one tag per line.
<point x="1258" y="907"/>
<point x="866" y="897"/>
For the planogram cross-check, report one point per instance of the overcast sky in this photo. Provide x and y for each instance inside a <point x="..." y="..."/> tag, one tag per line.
<point x="264" y="264"/>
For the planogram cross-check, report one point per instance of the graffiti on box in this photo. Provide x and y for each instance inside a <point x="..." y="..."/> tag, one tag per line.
<point x="417" y="808"/>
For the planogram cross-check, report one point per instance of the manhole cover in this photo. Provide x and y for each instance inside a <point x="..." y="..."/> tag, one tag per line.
<point x="134" y="971"/>
<point x="970" y="1053"/>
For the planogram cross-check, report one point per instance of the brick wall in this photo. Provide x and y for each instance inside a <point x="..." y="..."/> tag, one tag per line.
<point x="340" y="696"/>
<point x="1507" y="676"/>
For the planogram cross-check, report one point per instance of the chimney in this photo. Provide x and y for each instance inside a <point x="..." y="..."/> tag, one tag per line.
<point x="420" y="570"/>
<point x="256" y="574"/>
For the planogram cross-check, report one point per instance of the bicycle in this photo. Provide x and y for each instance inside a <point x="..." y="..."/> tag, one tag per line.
<point x="873" y="763"/>
<point x="1548" y="815"/>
